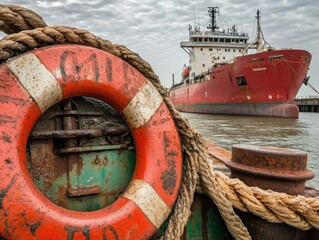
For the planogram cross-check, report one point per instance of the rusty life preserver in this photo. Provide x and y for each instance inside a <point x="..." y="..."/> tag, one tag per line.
<point x="33" y="82"/>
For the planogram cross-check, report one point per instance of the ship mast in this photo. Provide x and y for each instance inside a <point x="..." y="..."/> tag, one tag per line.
<point x="258" y="41"/>
<point x="212" y="14"/>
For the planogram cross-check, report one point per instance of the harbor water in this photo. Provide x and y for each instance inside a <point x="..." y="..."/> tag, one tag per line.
<point x="301" y="133"/>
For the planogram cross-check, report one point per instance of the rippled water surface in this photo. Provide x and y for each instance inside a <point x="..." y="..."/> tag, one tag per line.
<point x="301" y="133"/>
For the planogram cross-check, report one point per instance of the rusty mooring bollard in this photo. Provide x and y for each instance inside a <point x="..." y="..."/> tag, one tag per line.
<point x="278" y="169"/>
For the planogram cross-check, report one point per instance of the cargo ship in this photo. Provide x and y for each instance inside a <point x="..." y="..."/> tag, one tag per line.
<point x="228" y="75"/>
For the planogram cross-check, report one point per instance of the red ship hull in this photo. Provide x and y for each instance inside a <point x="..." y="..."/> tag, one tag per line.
<point x="262" y="84"/>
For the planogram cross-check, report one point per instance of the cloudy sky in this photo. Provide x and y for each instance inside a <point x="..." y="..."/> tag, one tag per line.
<point x="154" y="28"/>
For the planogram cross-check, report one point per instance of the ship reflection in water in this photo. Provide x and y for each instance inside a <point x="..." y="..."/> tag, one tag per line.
<point x="225" y="130"/>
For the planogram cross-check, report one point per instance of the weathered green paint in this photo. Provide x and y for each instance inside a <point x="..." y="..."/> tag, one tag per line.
<point x="112" y="170"/>
<point x="194" y="229"/>
<point x="204" y="223"/>
<point x="101" y="162"/>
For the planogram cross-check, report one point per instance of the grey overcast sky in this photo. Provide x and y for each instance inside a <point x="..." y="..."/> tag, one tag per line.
<point x="154" y="28"/>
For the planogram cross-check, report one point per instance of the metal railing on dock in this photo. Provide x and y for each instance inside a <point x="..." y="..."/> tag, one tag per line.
<point x="308" y="103"/>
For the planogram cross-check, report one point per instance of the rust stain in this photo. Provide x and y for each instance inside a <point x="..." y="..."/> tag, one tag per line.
<point x="34" y="227"/>
<point x="95" y="161"/>
<point x="6" y="225"/>
<point x="109" y="69"/>
<point x="8" y="161"/>
<point x="169" y="176"/>
<point x="105" y="161"/>
<point x="127" y="80"/>
<point x="6" y="119"/>
<point x="3" y="192"/>
<point x="15" y="101"/>
<point x="164" y="120"/>
<point x="61" y="196"/>
<point x="41" y="156"/>
<point x="6" y="137"/>
<point x="75" y="161"/>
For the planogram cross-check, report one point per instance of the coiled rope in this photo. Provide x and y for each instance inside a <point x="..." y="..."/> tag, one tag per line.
<point x="297" y="211"/>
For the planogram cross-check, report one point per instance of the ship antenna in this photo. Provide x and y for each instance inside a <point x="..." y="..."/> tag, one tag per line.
<point x="212" y="14"/>
<point x="195" y="17"/>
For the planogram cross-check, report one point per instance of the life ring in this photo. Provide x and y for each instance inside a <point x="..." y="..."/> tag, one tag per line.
<point x="33" y="82"/>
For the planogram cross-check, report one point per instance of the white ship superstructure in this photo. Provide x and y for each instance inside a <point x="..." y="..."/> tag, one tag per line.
<point x="213" y="47"/>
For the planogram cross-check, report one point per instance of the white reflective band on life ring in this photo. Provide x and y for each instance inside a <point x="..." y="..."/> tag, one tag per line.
<point x="147" y="199"/>
<point x="143" y="106"/>
<point x="37" y="80"/>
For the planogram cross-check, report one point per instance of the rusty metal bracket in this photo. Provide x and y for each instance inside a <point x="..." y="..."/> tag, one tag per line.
<point x="74" y="133"/>
<point x="83" y="191"/>
<point x="93" y="148"/>
<point x="74" y="113"/>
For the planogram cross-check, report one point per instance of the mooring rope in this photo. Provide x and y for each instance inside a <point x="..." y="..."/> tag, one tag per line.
<point x="306" y="83"/>
<point x="297" y="211"/>
<point x="14" y="19"/>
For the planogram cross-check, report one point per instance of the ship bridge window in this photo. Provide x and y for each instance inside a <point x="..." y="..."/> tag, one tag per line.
<point x="215" y="39"/>
<point x="228" y="40"/>
<point x="205" y="40"/>
<point x="200" y="39"/>
<point x="222" y="39"/>
<point x="210" y="39"/>
<point x="194" y="39"/>
<point x="241" y="81"/>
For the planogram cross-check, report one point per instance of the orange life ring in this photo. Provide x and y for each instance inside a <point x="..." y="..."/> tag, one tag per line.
<point x="33" y="82"/>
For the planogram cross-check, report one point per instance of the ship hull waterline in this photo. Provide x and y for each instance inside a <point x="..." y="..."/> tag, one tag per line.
<point x="272" y="79"/>
<point x="254" y="109"/>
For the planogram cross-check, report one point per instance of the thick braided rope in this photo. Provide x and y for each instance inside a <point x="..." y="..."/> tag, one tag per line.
<point x="297" y="211"/>
<point x="193" y="145"/>
<point x="15" y="19"/>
